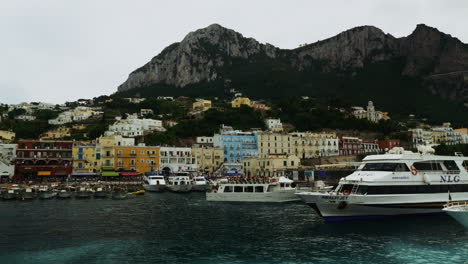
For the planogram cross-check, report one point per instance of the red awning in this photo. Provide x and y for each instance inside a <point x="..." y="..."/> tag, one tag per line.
<point x="129" y="173"/>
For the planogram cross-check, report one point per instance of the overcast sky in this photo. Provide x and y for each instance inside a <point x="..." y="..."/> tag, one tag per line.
<point x="62" y="50"/>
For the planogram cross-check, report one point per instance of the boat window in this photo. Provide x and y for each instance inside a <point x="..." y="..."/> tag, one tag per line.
<point x="259" y="189"/>
<point x="385" y="167"/>
<point x="238" y="189"/>
<point x="451" y="166"/>
<point x="428" y="166"/>
<point x="282" y="185"/>
<point x="227" y="188"/>
<point x="465" y="164"/>
<point x="248" y="188"/>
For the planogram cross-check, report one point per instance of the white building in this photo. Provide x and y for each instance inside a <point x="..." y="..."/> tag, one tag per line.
<point x="274" y="125"/>
<point x="80" y="113"/>
<point x="133" y="127"/>
<point x="135" y="100"/>
<point x="173" y="159"/>
<point x="7" y="157"/>
<point x="25" y="117"/>
<point x="205" y="140"/>
<point x="369" y="114"/>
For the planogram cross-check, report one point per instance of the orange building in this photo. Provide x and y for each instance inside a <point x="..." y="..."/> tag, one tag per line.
<point x="138" y="158"/>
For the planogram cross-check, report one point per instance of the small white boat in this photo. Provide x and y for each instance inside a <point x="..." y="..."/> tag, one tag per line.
<point x="179" y="183"/>
<point x="459" y="211"/>
<point x="276" y="190"/>
<point x="154" y="183"/>
<point x="199" y="184"/>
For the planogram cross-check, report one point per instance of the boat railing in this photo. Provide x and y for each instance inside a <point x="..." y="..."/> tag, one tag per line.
<point x="450" y="204"/>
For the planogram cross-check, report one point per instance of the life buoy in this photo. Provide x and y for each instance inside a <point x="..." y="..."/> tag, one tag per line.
<point x="414" y="171"/>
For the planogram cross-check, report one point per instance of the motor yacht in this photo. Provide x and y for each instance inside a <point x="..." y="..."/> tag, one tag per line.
<point x="274" y="190"/>
<point x="154" y="182"/>
<point x="394" y="184"/>
<point x="180" y="182"/>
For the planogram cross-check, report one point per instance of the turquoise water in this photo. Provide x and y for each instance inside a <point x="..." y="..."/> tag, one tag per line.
<point x="174" y="228"/>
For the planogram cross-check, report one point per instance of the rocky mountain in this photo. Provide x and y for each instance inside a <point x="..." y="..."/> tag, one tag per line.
<point x="363" y="62"/>
<point x="196" y="58"/>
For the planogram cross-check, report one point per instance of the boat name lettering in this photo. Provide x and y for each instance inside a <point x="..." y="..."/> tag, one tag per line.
<point x="335" y="198"/>
<point x="449" y="178"/>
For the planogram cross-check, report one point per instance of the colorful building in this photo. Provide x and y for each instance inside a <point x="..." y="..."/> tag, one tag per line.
<point x="7" y="135"/>
<point x="58" y="133"/>
<point x="86" y="160"/>
<point x="138" y="159"/>
<point x="236" y="145"/>
<point x="175" y="159"/>
<point x="236" y="103"/>
<point x="201" y="105"/>
<point x="388" y="144"/>
<point x="208" y="159"/>
<point x="36" y="158"/>
<point x="272" y="165"/>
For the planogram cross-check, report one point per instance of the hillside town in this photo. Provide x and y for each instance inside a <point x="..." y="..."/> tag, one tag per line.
<point x="121" y="150"/>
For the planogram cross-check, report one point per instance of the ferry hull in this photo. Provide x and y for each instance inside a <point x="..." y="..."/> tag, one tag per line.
<point x="352" y="207"/>
<point x="200" y="187"/>
<point x="179" y="188"/>
<point x="269" y="197"/>
<point x="460" y="216"/>
<point x="154" y="187"/>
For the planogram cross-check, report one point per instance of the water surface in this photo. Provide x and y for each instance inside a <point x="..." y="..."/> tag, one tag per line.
<point x="184" y="228"/>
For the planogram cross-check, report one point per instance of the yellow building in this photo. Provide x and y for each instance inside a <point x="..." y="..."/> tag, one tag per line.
<point x="201" y="105"/>
<point x="79" y="127"/>
<point x="8" y="135"/>
<point x="438" y="137"/>
<point x="60" y="132"/>
<point x="208" y="159"/>
<point x="137" y="158"/>
<point x="272" y="165"/>
<point x="85" y="158"/>
<point x="106" y="149"/>
<point x="241" y="101"/>
<point x="304" y="145"/>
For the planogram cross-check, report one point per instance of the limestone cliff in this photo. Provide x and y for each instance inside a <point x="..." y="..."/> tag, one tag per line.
<point x="439" y="60"/>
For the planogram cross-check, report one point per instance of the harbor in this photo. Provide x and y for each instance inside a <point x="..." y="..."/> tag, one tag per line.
<point x="172" y="228"/>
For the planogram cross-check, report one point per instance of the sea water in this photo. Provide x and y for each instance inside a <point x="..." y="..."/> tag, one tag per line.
<point x="185" y="228"/>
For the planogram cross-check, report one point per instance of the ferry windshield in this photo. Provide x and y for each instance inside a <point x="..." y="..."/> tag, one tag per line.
<point x="385" y="167"/>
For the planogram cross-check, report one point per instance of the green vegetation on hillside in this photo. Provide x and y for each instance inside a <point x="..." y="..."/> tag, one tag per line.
<point x="262" y="77"/>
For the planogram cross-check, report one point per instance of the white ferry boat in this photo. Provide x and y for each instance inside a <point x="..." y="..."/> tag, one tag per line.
<point x="277" y="190"/>
<point x="398" y="183"/>
<point x="179" y="183"/>
<point x="459" y="211"/>
<point x="199" y="184"/>
<point x="154" y="182"/>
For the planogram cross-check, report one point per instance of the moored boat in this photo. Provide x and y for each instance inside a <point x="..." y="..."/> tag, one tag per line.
<point x="398" y="183"/>
<point x="459" y="211"/>
<point x="101" y="192"/>
<point x="28" y="194"/>
<point x="83" y="193"/>
<point x="154" y="182"/>
<point x="199" y="184"/>
<point x="46" y="193"/>
<point x="64" y="193"/>
<point x="276" y="190"/>
<point x="119" y="193"/>
<point x="10" y="194"/>
<point x="179" y="183"/>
